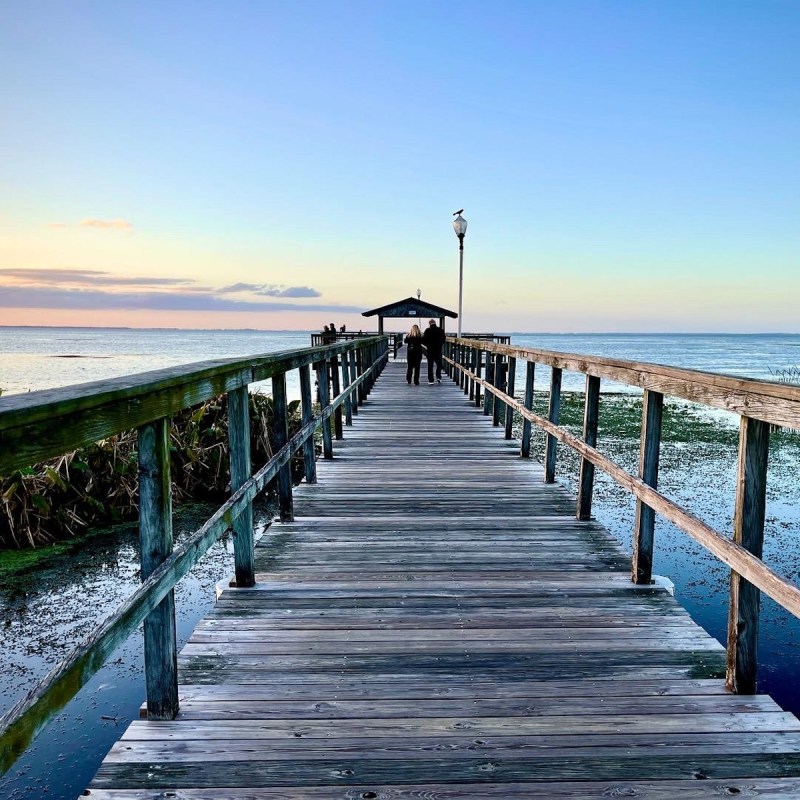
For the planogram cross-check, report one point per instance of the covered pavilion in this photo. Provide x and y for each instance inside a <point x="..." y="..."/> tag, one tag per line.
<point x="411" y="307"/>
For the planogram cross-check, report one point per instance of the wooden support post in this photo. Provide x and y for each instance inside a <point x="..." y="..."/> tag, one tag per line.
<point x="649" y="449"/>
<point x="511" y="380"/>
<point x="239" y="447"/>
<point x="324" y="402"/>
<point x="306" y="402"/>
<point x="467" y="360"/>
<point x="553" y="412"/>
<point x="498" y="406"/>
<point x="348" y="404"/>
<point x="488" y="397"/>
<point x="748" y="531"/>
<point x="155" y="545"/>
<point x="590" y="416"/>
<point x="353" y="364"/>
<point x="478" y="370"/>
<point x="280" y="429"/>
<point x="472" y="353"/>
<point x="337" y="388"/>
<point x="362" y="389"/>
<point x="525" y="447"/>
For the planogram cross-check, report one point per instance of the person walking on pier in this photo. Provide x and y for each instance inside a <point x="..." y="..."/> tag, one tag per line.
<point x="433" y="339"/>
<point x="414" y="354"/>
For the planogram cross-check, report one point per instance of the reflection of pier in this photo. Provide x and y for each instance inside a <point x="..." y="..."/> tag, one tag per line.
<point x="434" y="616"/>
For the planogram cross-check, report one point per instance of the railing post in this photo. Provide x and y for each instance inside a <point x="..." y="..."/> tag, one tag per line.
<point x="525" y="447"/>
<point x="348" y="403"/>
<point x="467" y="361"/>
<point x="362" y="389"/>
<point x="488" y="397"/>
<point x="590" y="417"/>
<point x="748" y="531"/>
<point x="498" y="406"/>
<point x="280" y="428"/>
<point x="472" y="352"/>
<point x="324" y="401"/>
<point x="239" y="447"/>
<point x="649" y="448"/>
<point x="353" y="368"/>
<point x="478" y="370"/>
<point x="155" y="545"/>
<point x="553" y="412"/>
<point x="462" y="359"/>
<point x="337" y="414"/>
<point x="306" y="403"/>
<point x="511" y="381"/>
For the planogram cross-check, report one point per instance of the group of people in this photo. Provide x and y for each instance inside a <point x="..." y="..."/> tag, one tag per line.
<point x="432" y="343"/>
<point x="329" y="333"/>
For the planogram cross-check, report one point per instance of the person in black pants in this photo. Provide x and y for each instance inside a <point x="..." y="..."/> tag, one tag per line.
<point x="414" y="354"/>
<point x="433" y="339"/>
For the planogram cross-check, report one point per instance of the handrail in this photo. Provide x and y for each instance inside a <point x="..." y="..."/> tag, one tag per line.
<point x="759" y="404"/>
<point x="770" y="401"/>
<point x="40" y="425"/>
<point x="361" y="362"/>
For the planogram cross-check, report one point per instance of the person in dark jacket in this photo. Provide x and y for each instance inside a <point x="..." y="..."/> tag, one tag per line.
<point x="433" y="339"/>
<point x="414" y="354"/>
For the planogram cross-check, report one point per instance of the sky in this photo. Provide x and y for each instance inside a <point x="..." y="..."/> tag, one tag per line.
<point x="623" y="166"/>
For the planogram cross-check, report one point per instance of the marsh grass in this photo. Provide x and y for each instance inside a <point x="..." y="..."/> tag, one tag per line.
<point x="97" y="486"/>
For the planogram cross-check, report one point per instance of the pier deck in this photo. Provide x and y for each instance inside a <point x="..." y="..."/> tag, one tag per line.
<point x="436" y="623"/>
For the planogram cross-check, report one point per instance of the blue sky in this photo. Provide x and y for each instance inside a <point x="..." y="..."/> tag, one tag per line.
<point x="623" y="166"/>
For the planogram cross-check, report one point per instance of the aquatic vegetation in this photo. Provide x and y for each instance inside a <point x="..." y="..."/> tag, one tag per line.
<point x="786" y="374"/>
<point x="98" y="485"/>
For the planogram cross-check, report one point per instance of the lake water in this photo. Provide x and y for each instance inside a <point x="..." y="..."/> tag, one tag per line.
<point x="699" y="476"/>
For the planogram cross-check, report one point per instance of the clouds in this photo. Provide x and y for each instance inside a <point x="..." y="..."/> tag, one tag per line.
<point x="100" y="224"/>
<point x="271" y="290"/>
<point x="89" y="289"/>
<point x="84" y="277"/>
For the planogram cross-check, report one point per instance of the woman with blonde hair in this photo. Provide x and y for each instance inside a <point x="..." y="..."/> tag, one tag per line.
<point x="414" y="354"/>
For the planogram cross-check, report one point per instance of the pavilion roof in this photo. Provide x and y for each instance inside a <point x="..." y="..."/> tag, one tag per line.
<point x="410" y="307"/>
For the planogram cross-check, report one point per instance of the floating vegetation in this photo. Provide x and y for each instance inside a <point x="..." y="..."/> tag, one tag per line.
<point x="786" y="374"/>
<point x="98" y="485"/>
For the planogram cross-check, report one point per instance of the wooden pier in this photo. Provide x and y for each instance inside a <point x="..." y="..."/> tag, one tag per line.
<point x="436" y="623"/>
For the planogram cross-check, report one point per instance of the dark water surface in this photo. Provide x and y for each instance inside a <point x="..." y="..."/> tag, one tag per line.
<point x="45" y="612"/>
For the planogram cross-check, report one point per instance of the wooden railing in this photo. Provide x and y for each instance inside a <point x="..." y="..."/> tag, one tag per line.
<point x="759" y="404"/>
<point x="44" y="424"/>
<point x="320" y="339"/>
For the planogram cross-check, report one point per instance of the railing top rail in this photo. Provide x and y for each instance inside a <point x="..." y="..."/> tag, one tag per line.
<point x="770" y="401"/>
<point x="47" y="423"/>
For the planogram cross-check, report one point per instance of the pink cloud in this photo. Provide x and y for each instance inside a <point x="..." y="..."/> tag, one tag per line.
<point x="107" y="224"/>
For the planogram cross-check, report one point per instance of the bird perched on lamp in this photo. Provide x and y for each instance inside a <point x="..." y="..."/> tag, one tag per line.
<point x="460" y="211"/>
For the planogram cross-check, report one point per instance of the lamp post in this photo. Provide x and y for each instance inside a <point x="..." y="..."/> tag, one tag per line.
<point x="460" y="227"/>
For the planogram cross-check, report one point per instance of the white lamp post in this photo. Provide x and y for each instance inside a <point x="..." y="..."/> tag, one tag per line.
<point x="460" y="227"/>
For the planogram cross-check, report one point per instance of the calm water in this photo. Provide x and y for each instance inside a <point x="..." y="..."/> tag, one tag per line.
<point x="703" y="479"/>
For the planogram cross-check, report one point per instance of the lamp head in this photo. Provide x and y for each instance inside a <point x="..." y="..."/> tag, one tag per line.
<point x="460" y="225"/>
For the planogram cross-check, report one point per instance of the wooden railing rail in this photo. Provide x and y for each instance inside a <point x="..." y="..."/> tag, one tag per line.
<point x="162" y="567"/>
<point x="759" y="404"/>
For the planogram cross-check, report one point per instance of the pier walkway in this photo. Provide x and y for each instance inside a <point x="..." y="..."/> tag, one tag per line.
<point x="436" y="623"/>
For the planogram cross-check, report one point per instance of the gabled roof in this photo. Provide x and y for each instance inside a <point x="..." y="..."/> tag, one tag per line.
<point x="410" y="307"/>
